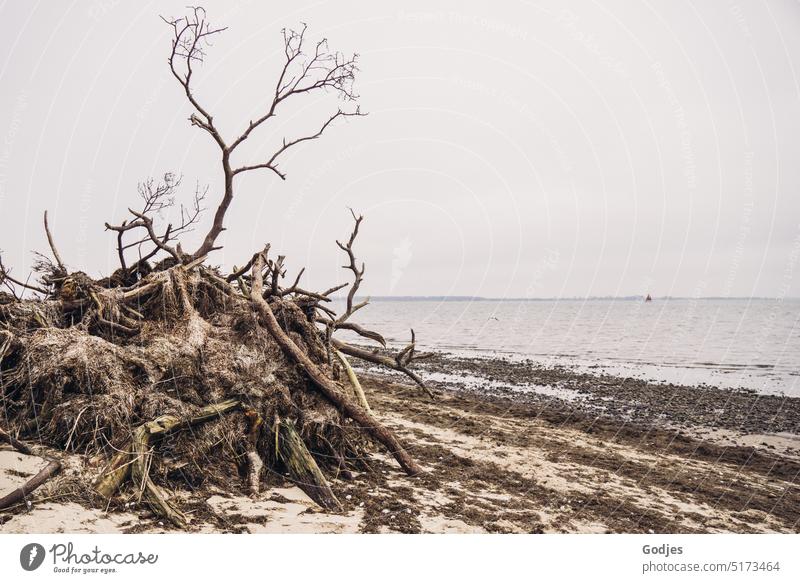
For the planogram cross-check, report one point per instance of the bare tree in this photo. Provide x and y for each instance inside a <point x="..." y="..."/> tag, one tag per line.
<point x="112" y="366"/>
<point x="304" y="71"/>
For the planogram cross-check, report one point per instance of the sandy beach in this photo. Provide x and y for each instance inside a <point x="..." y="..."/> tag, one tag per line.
<point x="594" y="454"/>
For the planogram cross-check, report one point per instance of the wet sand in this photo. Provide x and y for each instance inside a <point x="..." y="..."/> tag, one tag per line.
<point x="589" y="453"/>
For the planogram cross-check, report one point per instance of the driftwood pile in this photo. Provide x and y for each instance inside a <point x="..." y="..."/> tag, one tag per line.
<point x="190" y="374"/>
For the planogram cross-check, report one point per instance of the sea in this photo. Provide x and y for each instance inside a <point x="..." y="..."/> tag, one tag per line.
<point x="749" y="344"/>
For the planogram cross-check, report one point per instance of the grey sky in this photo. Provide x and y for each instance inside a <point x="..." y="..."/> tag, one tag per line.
<point x="511" y="148"/>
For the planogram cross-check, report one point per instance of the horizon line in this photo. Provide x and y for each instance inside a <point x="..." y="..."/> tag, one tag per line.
<point x="466" y="298"/>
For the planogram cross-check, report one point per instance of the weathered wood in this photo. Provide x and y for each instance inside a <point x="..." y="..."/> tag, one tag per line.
<point x="52" y="243"/>
<point x="321" y="381"/>
<point x="131" y="460"/>
<point x="303" y="469"/>
<point x="155" y="496"/>
<point x="115" y="474"/>
<point x="168" y="423"/>
<point x="254" y="462"/>
<point x="381" y="360"/>
<point x="20" y="494"/>
<point x="351" y="375"/>
<point x="254" y="467"/>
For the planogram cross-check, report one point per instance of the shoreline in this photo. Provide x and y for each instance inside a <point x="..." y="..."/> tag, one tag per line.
<point x="618" y="455"/>
<point x="700" y="409"/>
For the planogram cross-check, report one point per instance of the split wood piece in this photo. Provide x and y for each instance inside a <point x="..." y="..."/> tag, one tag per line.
<point x="322" y="382"/>
<point x="254" y="467"/>
<point x="351" y="375"/>
<point x="120" y="467"/>
<point x="115" y="473"/>
<point x="20" y="494"/>
<point x="302" y="468"/>
<point x="155" y="496"/>
<point x="254" y="463"/>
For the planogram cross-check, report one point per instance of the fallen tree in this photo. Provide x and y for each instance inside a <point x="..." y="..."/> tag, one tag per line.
<point x="170" y="373"/>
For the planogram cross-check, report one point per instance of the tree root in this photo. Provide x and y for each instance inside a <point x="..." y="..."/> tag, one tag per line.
<point x="73" y="372"/>
<point x="114" y="475"/>
<point x="254" y="467"/>
<point x="302" y="468"/>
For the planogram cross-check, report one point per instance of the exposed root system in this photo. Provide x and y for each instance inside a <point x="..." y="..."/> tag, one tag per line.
<point x="181" y="379"/>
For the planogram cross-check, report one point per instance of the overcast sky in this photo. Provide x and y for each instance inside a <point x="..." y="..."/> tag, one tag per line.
<point x="511" y="149"/>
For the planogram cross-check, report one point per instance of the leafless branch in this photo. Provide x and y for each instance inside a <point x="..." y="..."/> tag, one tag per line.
<point x="158" y="197"/>
<point x="320" y="70"/>
<point x="237" y="273"/>
<point x="358" y="274"/>
<point x="192" y="34"/>
<point x="271" y="163"/>
<point x="304" y="71"/>
<point x="399" y="362"/>
<point x="52" y="244"/>
<point x="10" y="282"/>
<point x="21" y="493"/>
<point x="13" y="441"/>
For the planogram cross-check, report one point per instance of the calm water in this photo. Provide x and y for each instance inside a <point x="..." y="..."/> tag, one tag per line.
<point x="728" y="343"/>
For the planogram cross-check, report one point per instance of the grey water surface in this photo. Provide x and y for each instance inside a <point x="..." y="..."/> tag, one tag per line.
<point x="734" y="343"/>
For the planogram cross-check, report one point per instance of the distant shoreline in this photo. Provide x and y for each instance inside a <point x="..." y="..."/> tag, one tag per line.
<point x="560" y="299"/>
